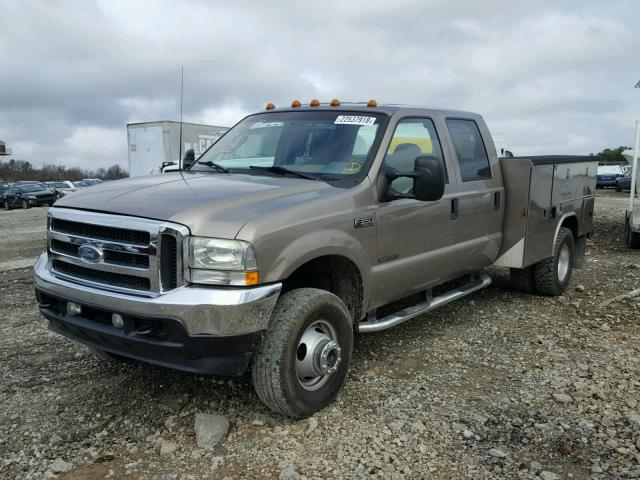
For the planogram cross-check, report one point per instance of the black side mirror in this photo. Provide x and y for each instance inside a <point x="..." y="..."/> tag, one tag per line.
<point x="428" y="181"/>
<point x="429" y="184"/>
<point x="189" y="159"/>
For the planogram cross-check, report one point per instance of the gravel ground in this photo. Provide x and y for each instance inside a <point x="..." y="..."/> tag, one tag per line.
<point x="499" y="385"/>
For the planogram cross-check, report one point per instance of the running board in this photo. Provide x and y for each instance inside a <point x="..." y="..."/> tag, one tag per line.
<point x="481" y="281"/>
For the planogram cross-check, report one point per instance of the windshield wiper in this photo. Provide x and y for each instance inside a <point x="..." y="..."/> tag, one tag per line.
<point x="283" y="171"/>
<point x="210" y="164"/>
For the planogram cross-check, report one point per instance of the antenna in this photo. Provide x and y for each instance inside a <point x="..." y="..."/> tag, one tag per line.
<point x="181" y="96"/>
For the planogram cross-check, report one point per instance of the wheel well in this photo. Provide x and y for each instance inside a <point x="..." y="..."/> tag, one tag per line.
<point x="333" y="273"/>
<point x="572" y="224"/>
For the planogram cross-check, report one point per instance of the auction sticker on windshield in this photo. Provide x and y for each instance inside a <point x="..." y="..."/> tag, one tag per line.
<point x="354" y="120"/>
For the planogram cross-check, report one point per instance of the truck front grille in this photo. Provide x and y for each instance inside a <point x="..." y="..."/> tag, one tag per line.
<point x="135" y="254"/>
<point x="100" y="232"/>
<point x="109" y="278"/>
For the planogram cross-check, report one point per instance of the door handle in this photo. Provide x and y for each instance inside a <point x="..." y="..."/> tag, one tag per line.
<point x="454" y="208"/>
<point x="496" y="201"/>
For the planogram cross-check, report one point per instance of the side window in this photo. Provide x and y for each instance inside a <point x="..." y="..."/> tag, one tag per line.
<point x="413" y="138"/>
<point x="470" y="150"/>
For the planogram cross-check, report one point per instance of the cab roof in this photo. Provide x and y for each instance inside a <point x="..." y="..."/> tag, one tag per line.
<point x="387" y="108"/>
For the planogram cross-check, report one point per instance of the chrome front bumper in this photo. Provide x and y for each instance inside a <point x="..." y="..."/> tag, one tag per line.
<point x="201" y="310"/>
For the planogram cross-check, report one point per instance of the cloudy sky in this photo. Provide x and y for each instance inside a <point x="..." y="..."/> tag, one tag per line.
<point x="549" y="77"/>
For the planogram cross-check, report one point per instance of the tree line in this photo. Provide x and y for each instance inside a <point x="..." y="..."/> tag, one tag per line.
<point x="611" y="156"/>
<point x="15" y="170"/>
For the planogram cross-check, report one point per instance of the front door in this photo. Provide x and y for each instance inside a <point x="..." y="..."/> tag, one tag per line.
<point x="414" y="237"/>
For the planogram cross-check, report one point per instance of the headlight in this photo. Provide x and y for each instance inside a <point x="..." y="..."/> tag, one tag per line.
<point x="221" y="262"/>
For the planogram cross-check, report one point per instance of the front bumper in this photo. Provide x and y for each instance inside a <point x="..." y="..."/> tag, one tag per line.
<point x="199" y="329"/>
<point x="37" y="201"/>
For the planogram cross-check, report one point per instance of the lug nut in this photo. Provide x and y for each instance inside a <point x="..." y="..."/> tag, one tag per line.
<point x="74" y="308"/>
<point x="117" y="320"/>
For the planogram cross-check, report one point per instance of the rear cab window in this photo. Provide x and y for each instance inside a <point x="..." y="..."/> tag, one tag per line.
<point x="470" y="150"/>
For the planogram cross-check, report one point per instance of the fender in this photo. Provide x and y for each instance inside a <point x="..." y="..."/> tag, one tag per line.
<point x="317" y="244"/>
<point x="559" y="225"/>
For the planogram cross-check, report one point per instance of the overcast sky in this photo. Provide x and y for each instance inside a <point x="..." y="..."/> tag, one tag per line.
<point x="549" y="77"/>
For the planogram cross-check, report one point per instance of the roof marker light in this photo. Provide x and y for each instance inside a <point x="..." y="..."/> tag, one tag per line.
<point x="314" y="103"/>
<point x="335" y="102"/>
<point x="372" y="103"/>
<point x="295" y="104"/>
<point x="270" y="106"/>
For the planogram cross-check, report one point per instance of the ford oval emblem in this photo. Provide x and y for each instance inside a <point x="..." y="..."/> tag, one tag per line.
<point x="90" y="254"/>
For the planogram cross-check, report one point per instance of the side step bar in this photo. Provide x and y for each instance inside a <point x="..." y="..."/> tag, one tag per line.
<point x="481" y="281"/>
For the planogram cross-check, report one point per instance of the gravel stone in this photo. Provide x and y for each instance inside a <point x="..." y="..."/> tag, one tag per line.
<point x="211" y="430"/>
<point x="546" y="475"/>
<point x="562" y="398"/>
<point x="60" y="466"/>
<point x="497" y="453"/>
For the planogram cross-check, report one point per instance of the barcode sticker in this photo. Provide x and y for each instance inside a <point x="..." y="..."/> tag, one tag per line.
<point x="354" y="120"/>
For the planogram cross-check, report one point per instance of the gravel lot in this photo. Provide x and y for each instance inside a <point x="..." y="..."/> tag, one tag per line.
<point x="499" y="385"/>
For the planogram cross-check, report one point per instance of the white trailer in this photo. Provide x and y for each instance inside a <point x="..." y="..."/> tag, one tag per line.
<point x="152" y="145"/>
<point x="632" y="215"/>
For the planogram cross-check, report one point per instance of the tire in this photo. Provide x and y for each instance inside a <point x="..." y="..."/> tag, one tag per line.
<point x="550" y="279"/>
<point x="280" y="357"/>
<point x="522" y="280"/>
<point x="618" y="188"/>
<point x="631" y="238"/>
<point x="7" y="206"/>
<point x="24" y="204"/>
<point x="110" y="357"/>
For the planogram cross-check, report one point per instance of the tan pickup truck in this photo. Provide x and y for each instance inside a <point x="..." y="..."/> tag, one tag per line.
<point x="288" y="235"/>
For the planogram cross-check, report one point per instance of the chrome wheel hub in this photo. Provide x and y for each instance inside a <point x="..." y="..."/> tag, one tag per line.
<point x="318" y="355"/>
<point x="564" y="261"/>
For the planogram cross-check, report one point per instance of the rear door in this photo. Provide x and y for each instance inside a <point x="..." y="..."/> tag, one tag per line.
<point x="479" y="205"/>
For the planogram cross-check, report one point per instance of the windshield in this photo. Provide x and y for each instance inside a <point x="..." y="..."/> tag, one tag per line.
<point x="31" y="188"/>
<point x="329" y="145"/>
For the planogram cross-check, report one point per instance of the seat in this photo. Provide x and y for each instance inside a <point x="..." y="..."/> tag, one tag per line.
<point x="404" y="157"/>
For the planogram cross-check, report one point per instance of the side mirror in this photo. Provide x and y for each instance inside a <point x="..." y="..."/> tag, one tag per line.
<point x="428" y="181"/>
<point x="189" y="159"/>
<point x="428" y="185"/>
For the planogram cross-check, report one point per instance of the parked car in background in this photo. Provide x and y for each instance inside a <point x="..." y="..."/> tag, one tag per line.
<point x="624" y="182"/>
<point x="3" y="188"/>
<point x="89" y="182"/>
<point x="62" y="187"/>
<point x="28" y="195"/>
<point x="607" y="175"/>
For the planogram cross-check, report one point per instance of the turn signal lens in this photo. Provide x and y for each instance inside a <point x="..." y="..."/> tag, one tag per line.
<point x="335" y="102"/>
<point x="372" y="103"/>
<point x="251" y="278"/>
<point x="270" y="106"/>
<point x="314" y="103"/>
<point x="295" y="104"/>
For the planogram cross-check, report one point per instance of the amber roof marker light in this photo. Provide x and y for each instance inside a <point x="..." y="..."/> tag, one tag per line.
<point x="314" y="103"/>
<point x="270" y="106"/>
<point x="335" y="102"/>
<point x="372" y="103"/>
<point x="295" y="104"/>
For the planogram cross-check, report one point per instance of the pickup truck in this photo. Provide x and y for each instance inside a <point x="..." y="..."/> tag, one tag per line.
<point x="299" y="228"/>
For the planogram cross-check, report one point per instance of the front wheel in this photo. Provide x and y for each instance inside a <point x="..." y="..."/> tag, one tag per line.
<point x="24" y="204"/>
<point x="304" y="357"/>
<point x="552" y="275"/>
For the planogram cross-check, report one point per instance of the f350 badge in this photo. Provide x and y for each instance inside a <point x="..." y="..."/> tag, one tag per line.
<point x="363" y="222"/>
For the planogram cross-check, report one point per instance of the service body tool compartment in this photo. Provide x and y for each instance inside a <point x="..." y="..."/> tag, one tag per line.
<point x="540" y="194"/>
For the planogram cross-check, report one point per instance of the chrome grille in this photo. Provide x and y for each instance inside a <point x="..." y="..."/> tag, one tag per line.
<point x="137" y="255"/>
